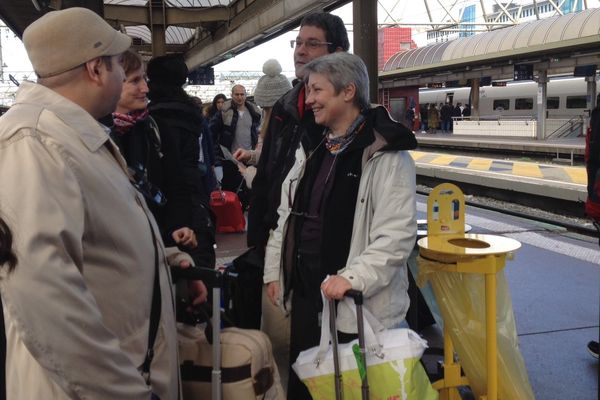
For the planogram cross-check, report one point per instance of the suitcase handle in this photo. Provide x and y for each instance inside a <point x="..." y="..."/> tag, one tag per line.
<point x="211" y="277"/>
<point x="356" y="295"/>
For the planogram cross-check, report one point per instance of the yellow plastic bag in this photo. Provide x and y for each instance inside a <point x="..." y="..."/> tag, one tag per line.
<point x="461" y="299"/>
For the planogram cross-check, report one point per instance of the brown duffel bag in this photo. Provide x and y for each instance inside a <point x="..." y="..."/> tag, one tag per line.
<point x="248" y="370"/>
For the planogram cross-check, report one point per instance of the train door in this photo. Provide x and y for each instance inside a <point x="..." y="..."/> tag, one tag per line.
<point x="398" y="108"/>
<point x="450" y="98"/>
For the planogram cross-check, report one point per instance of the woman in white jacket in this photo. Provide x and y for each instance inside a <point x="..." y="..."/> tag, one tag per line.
<point x="347" y="210"/>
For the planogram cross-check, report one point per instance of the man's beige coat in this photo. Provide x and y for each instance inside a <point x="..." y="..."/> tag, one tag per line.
<point x="77" y="306"/>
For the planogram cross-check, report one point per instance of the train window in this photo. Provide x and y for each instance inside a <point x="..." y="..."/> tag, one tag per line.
<point x="524" y="103"/>
<point x="501" y="104"/>
<point x="576" y="102"/>
<point x="552" y="103"/>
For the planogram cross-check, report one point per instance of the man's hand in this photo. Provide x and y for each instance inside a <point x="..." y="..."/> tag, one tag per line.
<point x="185" y="237"/>
<point x="335" y="287"/>
<point x="242" y="155"/>
<point x="273" y="292"/>
<point x="198" y="292"/>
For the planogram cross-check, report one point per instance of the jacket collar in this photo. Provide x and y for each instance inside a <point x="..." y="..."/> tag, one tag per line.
<point x="90" y="131"/>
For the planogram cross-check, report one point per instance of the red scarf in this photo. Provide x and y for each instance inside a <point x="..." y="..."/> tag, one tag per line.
<point x="124" y="122"/>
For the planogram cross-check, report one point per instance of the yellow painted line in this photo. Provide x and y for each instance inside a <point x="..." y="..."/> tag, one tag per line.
<point x="527" y="169"/>
<point x="577" y="175"/>
<point x="443" y="160"/>
<point x="482" y="164"/>
<point x="417" y="154"/>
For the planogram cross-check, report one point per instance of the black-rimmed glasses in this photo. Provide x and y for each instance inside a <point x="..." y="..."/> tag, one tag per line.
<point x="311" y="44"/>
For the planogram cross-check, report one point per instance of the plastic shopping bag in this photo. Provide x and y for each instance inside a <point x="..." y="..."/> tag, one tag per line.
<point x="393" y="367"/>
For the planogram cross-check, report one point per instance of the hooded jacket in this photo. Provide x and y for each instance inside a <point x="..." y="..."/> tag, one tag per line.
<point x="384" y="226"/>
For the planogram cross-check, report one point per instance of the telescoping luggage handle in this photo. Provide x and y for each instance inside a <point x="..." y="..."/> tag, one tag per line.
<point x="361" y="356"/>
<point x="214" y="278"/>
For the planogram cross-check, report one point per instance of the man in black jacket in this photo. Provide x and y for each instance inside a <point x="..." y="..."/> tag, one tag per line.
<point x="291" y="122"/>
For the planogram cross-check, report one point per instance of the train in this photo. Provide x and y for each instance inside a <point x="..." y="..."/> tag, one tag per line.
<point x="566" y="98"/>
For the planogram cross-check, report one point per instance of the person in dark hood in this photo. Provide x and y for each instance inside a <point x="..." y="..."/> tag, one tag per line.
<point x="350" y="211"/>
<point x="185" y="218"/>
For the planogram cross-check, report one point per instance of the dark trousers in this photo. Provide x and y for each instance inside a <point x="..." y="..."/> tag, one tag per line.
<point x="233" y="181"/>
<point x="305" y="329"/>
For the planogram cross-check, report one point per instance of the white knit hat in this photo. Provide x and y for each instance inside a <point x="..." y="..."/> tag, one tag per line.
<point x="272" y="85"/>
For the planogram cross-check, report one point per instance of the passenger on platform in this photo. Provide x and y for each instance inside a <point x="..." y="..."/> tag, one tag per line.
<point x="446" y="117"/>
<point x="433" y="118"/>
<point x="291" y="122"/>
<point x="8" y="261"/>
<point x="409" y="117"/>
<point x="466" y="112"/>
<point x="349" y="213"/>
<point x="423" y="112"/>
<point x="184" y="219"/>
<point x="206" y="160"/>
<point x="77" y="306"/>
<point x="269" y="89"/>
<point x="235" y="127"/>
<point x="217" y="105"/>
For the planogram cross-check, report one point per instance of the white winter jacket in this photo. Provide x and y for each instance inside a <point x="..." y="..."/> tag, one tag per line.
<point x="384" y="233"/>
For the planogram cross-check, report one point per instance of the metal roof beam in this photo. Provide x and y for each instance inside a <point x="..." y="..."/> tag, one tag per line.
<point x="190" y="18"/>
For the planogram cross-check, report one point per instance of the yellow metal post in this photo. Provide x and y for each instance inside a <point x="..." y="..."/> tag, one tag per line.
<point x="491" y="339"/>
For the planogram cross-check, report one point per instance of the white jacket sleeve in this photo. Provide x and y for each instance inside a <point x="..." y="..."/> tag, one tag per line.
<point x="51" y="311"/>
<point x="390" y="235"/>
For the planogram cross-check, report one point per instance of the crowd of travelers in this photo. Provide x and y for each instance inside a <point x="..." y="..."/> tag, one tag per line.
<point x="110" y="165"/>
<point x="433" y="119"/>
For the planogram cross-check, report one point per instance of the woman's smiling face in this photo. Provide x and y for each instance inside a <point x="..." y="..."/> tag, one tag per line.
<point x="327" y="105"/>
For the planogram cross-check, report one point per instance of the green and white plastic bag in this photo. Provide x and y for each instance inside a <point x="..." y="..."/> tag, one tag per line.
<point x="393" y="367"/>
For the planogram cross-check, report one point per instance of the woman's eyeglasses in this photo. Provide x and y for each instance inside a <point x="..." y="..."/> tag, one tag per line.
<point x="291" y="210"/>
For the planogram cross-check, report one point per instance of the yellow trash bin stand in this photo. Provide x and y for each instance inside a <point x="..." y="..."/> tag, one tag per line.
<point x="464" y="253"/>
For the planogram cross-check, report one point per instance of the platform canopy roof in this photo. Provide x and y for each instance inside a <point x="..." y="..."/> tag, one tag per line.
<point x="205" y="31"/>
<point x="547" y="43"/>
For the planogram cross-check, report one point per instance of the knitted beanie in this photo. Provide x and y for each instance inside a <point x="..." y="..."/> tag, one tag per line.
<point x="169" y="70"/>
<point x="272" y="85"/>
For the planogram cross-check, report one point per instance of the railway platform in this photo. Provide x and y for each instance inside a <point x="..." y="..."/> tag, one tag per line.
<point x="564" y="149"/>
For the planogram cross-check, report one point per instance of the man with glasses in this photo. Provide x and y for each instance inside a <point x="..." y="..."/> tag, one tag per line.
<point x="291" y="123"/>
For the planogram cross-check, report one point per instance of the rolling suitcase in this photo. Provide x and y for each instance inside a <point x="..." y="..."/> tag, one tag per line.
<point x="228" y="211"/>
<point x="229" y="363"/>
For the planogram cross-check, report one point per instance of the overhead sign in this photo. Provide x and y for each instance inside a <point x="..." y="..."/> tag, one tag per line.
<point x="452" y="84"/>
<point x="202" y="76"/>
<point x="585" y="70"/>
<point x="485" y="81"/>
<point x="435" y="85"/>
<point x="499" y="84"/>
<point x="523" y="72"/>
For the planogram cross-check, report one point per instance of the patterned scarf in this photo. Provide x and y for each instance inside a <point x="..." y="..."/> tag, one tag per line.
<point x="124" y="122"/>
<point x="336" y="145"/>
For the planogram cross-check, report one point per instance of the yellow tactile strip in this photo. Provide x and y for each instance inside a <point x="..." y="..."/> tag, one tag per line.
<point x="576" y="175"/>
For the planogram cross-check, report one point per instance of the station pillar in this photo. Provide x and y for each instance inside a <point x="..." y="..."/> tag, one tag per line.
<point x="541" y="104"/>
<point x="591" y="97"/>
<point x="158" y="40"/>
<point x="365" y="40"/>
<point x="474" y="98"/>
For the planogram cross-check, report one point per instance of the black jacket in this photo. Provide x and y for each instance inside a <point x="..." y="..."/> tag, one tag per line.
<point x="286" y="129"/>
<point x="180" y="123"/>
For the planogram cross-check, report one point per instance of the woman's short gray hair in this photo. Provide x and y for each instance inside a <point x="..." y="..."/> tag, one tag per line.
<point x="342" y="69"/>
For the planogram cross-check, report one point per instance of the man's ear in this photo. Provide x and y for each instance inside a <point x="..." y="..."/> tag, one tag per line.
<point x="93" y="69"/>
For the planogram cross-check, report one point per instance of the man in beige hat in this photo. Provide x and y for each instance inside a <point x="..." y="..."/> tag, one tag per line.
<point x="77" y="306"/>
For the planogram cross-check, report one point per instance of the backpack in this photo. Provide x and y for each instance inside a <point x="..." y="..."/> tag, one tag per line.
<point x="592" y="165"/>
